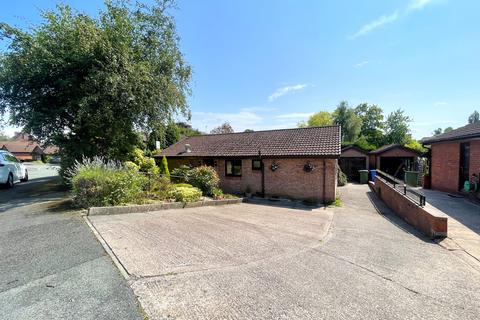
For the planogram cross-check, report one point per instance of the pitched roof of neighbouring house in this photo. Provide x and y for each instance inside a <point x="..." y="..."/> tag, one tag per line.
<point x="388" y="147"/>
<point x="311" y="141"/>
<point x="346" y="148"/>
<point x="20" y="146"/>
<point x="469" y="131"/>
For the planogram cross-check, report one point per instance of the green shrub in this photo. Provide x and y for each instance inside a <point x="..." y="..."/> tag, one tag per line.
<point x="146" y="164"/>
<point x="130" y="165"/>
<point x="217" y="193"/>
<point x="164" y="167"/>
<point x="160" y="188"/>
<point x="185" y="185"/>
<point x="341" y="178"/>
<point x="186" y="194"/>
<point x="99" y="183"/>
<point x="204" y="178"/>
<point x="181" y="174"/>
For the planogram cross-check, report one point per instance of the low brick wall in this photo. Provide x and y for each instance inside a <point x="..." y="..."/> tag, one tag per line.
<point x="95" y="211"/>
<point x="427" y="219"/>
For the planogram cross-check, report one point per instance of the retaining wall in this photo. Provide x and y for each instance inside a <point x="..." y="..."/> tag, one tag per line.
<point x="427" y="219"/>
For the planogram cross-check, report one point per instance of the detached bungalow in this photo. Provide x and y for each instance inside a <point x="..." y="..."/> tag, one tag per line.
<point x="294" y="163"/>
<point x="455" y="157"/>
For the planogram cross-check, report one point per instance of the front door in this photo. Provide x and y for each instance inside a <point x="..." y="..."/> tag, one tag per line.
<point x="464" y="164"/>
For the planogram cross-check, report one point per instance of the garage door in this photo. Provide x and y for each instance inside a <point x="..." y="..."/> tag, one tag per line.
<point x="350" y="167"/>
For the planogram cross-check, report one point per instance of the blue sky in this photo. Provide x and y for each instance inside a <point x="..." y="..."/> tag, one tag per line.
<point x="270" y="63"/>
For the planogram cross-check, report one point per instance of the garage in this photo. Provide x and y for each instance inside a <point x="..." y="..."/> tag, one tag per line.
<point x="352" y="160"/>
<point x="395" y="159"/>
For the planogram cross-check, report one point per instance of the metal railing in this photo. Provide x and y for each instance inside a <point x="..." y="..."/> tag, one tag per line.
<point x="417" y="197"/>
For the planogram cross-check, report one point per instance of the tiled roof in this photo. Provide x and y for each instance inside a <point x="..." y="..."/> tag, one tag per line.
<point x="311" y="141"/>
<point x="20" y="146"/>
<point x="468" y="131"/>
<point x="387" y="147"/>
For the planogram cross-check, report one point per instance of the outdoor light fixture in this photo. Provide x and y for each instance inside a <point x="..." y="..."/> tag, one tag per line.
<point x="308" y="167"/>
<point x="274" y="166"/>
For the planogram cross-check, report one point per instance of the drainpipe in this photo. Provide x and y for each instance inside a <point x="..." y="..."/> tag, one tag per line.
<point x="263" y="173"/>
<point x="324" y="181"/>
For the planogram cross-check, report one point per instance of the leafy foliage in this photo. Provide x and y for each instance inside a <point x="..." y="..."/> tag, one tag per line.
<point x="341" y="178"/>
<point x="397" y="128"/>
<point x="223" y="128"/>
<point x="319" y="119"/>
<point x="349" y="121"/>
<point x="144" y="163"/>
<point x="204" y="178"/>
<point x="164" y="167"/>
<point x="186" y="130"/>
<point x="99" y="183"/>
<point x="186" y="194"/>
<point x="474" y="117"/>
<point x="87" y="84"/>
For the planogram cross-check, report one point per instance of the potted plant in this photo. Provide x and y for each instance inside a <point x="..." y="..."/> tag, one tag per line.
<point x="248" y="191"/>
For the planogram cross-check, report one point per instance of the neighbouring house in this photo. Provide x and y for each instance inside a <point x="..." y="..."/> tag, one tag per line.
<point x="26" y="151"/>
<point x="352" y="160"/>
<point x="394" y="159"/>
<point x="24" y="147"/>
<point x="296" y="163"/>
<point x="455" y="157"/>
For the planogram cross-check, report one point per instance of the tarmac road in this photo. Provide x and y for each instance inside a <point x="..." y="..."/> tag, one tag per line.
<point x="51" y="265"/>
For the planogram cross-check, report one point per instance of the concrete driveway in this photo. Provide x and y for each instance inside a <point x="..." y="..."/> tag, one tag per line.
<point x="251" y="261"/>
<point x="463" y="221"/>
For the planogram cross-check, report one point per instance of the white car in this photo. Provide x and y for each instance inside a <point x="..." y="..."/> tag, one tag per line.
<point x="11" y="169"/>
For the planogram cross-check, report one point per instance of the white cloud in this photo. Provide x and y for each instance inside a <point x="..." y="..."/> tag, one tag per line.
<point x="362" y="64"/>
<point x="284" y="90"/>
<point x="369" y="27"/>
<point x="419" y="4"/>
<point x="295" y="115"/>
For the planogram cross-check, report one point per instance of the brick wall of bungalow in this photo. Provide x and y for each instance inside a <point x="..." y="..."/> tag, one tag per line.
<point x="290" y="179"/>
<point x="445" y="164"/>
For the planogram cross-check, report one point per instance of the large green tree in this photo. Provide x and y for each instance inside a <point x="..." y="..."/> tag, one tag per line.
<point x="397" y="128"/>
<point x="372" y="123"/>
<point x="319" y="119"/>
<point x="474" y="117"/>
<point x="349" y="121"/>
<point x="89" y="84"/>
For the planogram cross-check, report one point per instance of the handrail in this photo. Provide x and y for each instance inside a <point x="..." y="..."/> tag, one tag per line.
<point x="415" y="196"/>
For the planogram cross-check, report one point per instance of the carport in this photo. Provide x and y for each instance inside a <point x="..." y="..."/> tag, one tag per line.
<point x="394" y="159"/>
<point x="352" y="160"/>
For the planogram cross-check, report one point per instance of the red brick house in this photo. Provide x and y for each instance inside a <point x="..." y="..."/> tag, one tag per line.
<point x="394" y="159"/>
<point x="27" y="151"/>
<point x="296" y="163"/>
<point x="455" y="157"/>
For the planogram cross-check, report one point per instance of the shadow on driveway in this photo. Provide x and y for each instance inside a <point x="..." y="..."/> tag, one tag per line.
<point x="31" y="192"/>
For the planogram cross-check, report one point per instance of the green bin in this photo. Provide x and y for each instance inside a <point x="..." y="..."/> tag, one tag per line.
<point x="363" y="176"/>
<point x="411" y="178"/>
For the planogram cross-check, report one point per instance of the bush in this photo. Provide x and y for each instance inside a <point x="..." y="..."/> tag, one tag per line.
<point x="204" y="178"/>
<point x="146" y="164"/>
<point x="181" y="174"/>
<point x="185" y="185"/>
<point x="99" y="183"/>
<point x="164" y="168"/>
<point x="217" y="193"/>
<point x="341" y="178"/>
<point x="160" y="188"/>
<point x="186" y="194"/>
